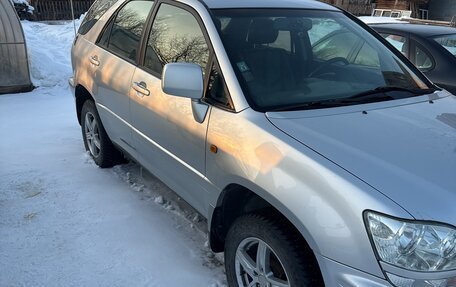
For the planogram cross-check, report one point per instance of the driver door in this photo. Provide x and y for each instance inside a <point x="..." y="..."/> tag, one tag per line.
<point x="169" y="141"/>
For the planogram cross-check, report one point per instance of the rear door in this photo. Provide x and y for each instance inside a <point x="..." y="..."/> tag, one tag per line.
<point x="169" y="141"/>
<point x="114" y="59"/>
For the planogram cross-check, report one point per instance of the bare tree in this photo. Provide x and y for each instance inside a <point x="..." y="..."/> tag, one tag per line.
<point x="171" y="48"/>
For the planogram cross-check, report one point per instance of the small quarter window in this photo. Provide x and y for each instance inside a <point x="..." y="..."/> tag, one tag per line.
<point x="422" y="59"/>
<point x="175" y="37"/>
<point x="217" y="93"/>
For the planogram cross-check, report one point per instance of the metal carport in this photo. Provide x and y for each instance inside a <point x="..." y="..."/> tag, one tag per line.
<point x="14" y="68"/>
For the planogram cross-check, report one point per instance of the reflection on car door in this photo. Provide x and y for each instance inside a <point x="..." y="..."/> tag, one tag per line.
<point x="115" y="60"/>
<point x="169" y="141"/>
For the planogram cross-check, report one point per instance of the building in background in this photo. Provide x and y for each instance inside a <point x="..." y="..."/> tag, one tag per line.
<point x="443" y="10"/>
<point x="356" y="7"/>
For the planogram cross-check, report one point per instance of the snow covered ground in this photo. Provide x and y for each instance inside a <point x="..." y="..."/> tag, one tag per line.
<point x="66" y="222"/>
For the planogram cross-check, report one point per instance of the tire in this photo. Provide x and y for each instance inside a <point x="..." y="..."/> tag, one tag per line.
<point x="96" y="141"/>
<point x="291" y="262"/>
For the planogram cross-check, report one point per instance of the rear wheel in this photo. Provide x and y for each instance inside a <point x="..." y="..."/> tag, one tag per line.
<point x="261" y="252"/>
<point x="96" y="141"/>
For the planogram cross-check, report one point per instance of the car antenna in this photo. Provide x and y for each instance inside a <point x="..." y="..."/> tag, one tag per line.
<point x="72" y="15"/>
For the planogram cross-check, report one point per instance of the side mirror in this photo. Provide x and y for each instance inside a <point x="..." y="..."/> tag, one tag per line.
<point x="183" y="80"/>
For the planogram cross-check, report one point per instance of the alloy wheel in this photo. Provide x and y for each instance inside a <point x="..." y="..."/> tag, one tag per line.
<point x="257" y="265"/>
<point x="92" y="134"/>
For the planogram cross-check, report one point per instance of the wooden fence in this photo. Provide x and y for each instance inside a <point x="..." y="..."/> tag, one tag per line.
<point x="61" y="9"/>
<point x="46" y="10"/>
<point x="359" y="9"/>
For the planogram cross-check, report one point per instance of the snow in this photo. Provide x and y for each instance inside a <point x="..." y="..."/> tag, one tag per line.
<point x="379" y="20"/>
<point x="66" y="222"/>
<point x="30" y="8"/>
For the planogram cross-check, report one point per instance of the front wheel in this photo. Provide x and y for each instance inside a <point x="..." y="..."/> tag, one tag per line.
<point x="96" y="141"/>
<point x="261" y="252"/>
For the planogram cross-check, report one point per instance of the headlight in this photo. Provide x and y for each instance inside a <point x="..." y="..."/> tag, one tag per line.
<point x="412" y="245"/>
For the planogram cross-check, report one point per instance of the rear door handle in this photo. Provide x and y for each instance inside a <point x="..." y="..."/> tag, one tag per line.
<point x="141" y="88"/>
<point x="94" y="60"/>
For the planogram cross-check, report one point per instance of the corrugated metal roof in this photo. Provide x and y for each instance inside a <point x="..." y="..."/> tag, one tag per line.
<point x="14" y="69"/>
<point x="10" y="27"/>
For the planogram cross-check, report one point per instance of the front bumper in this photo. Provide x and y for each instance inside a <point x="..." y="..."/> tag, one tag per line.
<point x="338" y="275"/>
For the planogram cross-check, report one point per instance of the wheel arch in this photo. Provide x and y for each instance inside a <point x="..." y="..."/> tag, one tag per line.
<point x="239" y="199"/>
<point x="81" y="95"/>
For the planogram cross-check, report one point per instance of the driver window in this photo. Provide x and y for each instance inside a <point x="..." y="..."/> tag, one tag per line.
<point x="175" y="36"/>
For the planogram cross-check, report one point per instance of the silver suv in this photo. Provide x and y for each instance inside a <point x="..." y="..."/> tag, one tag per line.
<point x="319" y="155"/>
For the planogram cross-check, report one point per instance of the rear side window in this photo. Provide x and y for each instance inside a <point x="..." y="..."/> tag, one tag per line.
<point x="448" y="42"/>
<point x="399" y="42"/>
<point x="123" y="34"/>
<point x="95" y="12"/>
<point x="175" y="37"/>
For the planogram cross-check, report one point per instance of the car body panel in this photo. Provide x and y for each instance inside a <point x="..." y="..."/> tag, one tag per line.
<point x="308" y="189"/>
<point x="412" y="146"/>
<point x="113" y="80"/>
<point x="168" y="121"/>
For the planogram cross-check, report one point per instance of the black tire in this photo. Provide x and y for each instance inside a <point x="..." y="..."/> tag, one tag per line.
<point x="106" y="155"/>
<point x="298" y="266"/>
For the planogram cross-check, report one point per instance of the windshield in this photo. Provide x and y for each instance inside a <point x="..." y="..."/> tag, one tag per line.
<point x="448" y="42"/>
<point x="303" y="58"/>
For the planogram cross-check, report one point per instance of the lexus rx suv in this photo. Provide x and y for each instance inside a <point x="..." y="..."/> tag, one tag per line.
<point x="318" y="153"/>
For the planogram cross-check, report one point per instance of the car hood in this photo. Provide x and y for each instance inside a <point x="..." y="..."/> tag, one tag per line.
<point x="406" y="149"/>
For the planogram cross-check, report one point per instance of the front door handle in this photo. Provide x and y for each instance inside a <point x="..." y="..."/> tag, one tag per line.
<point x="141" y="88"/>
<point x="94" y="60"/>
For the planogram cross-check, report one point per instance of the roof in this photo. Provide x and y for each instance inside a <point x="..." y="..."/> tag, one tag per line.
<point x="418" y="29"/>
<point x="303" y="4"/>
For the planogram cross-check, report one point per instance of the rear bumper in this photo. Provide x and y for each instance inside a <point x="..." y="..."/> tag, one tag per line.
<point x="72" y="85"/>
<point x="339" y="275"/>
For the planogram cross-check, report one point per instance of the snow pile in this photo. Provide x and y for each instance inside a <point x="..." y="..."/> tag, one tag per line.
<point x="66" y="222"/>
<point x="50" y="63"/>
<point x="25" y="3"/>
